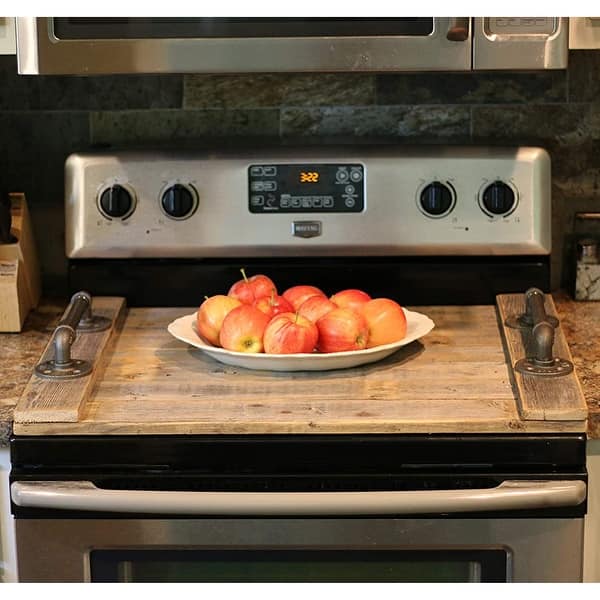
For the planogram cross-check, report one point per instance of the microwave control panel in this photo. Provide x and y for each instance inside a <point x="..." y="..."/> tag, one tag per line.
<point x="306" y="188"/>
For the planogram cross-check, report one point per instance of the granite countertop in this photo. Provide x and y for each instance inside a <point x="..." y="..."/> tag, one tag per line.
<point x="19" y="352"/>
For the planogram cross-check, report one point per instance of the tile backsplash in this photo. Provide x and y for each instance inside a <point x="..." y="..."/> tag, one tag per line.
<point x="45" y="118"/>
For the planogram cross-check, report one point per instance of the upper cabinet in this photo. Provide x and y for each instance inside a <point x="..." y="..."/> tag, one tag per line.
<point x="584" y="33"/>
<point x="7" y="35"/>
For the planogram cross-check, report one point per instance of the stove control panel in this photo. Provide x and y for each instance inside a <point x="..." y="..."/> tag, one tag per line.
<point x="326" y="201"/>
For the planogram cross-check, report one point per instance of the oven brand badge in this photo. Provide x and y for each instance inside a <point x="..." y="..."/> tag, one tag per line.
<point x="306" y="229"/>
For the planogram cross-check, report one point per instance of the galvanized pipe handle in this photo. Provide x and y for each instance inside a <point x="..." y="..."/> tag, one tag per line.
<point x="543" y="361"/>
<point x="64" y="366"/>
<point x="79" y="306"/>
<point x="543" y="332"/>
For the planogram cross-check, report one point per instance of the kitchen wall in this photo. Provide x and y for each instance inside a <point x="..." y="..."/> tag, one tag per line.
<point x="44" y="118"/>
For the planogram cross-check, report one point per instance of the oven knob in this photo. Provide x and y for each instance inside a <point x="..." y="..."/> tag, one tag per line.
<point x="179" y="201"/>
<point x="436" y="199"/>
<point x="498" y="199"/>
<point x="116" y="202"/>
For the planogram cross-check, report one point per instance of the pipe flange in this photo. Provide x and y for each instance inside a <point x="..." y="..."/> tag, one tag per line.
<point x="557" y="368"/>
<point x="95" y="324"/>
<point x="50" y="369"/>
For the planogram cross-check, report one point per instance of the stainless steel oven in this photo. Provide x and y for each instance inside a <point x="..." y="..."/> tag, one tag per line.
<point x="399" y="500"/>
<point x="88" y="46"/>
<point x="300" y="508"/>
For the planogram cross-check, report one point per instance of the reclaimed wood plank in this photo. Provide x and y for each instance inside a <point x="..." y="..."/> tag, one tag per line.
<point x="540" y="397"/>
<point x="45" y="400"/>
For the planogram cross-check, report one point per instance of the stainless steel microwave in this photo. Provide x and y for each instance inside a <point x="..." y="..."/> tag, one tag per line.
<point x="90" y="46"/>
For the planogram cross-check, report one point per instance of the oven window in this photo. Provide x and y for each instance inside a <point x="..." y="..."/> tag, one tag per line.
<point x="298" y="566"/>
<point x="81" y="28"/>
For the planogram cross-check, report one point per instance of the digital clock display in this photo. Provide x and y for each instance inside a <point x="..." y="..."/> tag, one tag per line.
<point x="309" y="177"/>
<point x="306" y="188"/>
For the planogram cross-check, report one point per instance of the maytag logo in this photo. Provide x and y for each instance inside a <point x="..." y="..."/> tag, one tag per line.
<point x="306" y="229"/>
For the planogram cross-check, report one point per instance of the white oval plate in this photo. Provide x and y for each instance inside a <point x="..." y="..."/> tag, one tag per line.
<point x="184" y="329"/>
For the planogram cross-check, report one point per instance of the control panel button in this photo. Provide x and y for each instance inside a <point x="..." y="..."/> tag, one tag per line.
<point x="342" y="175"/>
<point x="356" y="175"/>
<point x="116" y="202"/>
<point x="179" y="201"/>
<point x="498" y="198"/>
<point x="436" y="199"/>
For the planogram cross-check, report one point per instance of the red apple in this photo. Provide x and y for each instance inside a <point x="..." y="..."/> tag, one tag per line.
<point x="243" y="329"/>
<point x="353" y="299"/>
<point x="211" y="314"/>
<point x="342" y="329"/>
<point x="248" y="289"/>
<point x="386" y="321"/>
<point x="315" y="307"/>
<point x="273" y="305"/>
<point x="297" y="294"/>
<point x="290" y="333"/>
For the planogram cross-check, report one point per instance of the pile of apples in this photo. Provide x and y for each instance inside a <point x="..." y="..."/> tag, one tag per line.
<point x="254" y="318"/>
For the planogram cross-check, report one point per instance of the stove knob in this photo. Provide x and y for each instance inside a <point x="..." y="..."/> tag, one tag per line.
<point x="498" y="199"/>
<point x="116" y="202"/>
<point x="179" y="201"/>
<point x="436" y="199"/>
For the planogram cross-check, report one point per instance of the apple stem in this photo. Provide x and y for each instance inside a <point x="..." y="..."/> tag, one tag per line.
<point x="206" y="297"/>
<point x="244" y="275"/>
<point x="297" y="315"/>
<point x="272" y="302"/>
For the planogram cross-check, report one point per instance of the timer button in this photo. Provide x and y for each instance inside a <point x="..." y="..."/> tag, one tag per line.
<point x="436" y="200"/>
<point x="179" y="201"/>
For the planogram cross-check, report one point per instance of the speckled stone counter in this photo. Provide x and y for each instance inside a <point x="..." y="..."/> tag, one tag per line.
<point x="580" y="322"/>
<point x="20" y="352"/>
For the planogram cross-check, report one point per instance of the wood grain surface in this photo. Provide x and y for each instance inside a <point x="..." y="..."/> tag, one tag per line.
<point x="540" y="397"/>
<point x="456" y="379"/>
<point x="46" y="400"/>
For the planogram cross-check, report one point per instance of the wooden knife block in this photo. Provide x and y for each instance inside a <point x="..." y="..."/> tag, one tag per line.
<point x="20" y="286"/>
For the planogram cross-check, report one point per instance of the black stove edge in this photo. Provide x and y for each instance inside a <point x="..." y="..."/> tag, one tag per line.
<point x="458" y="280"/>
<point x="317" y="453"/>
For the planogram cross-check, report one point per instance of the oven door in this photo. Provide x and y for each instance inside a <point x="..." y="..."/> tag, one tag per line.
<point x="88" y="46"/>
<point x="416" y="536"/>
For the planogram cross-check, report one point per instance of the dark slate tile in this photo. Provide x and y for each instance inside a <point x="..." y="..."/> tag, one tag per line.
<point x="35" y="146"/>
<point x="18" y="92"/>
<point x="564" y="130"/>
<point x="32" y="156"/>
<point x="276" y="90"/>
<point x="140" y="127"/>
<point x="416" y="123"/>
<point x="472" y="88"/>
<point x="110" y="92"/>
<point x="48" y="224"/>
<point x="584" y="75"/>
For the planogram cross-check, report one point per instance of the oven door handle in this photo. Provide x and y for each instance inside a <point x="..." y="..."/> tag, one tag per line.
<point x="509" y="495"/>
